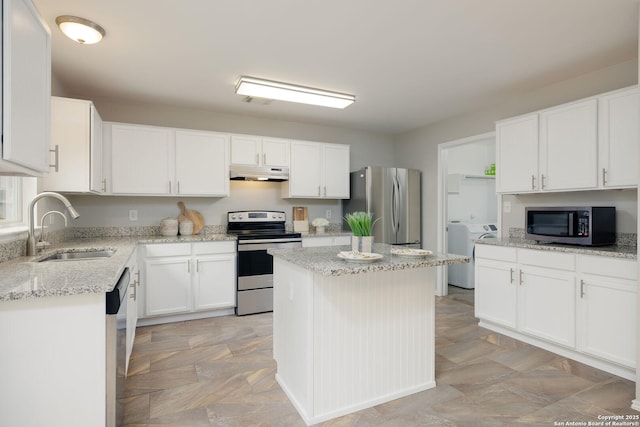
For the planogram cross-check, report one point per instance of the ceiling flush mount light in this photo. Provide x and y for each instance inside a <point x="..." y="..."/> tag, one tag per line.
<point x="259" y="88"/>
<point x="80" y="30"/>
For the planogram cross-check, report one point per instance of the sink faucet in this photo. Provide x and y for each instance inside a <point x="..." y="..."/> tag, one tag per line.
<point x="43" y="235"/>
<point x="31" y="240"/>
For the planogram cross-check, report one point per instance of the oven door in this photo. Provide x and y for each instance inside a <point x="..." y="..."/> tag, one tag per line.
<point x="255" y="265"/>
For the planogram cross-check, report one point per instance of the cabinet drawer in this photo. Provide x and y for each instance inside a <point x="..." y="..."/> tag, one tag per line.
<point x="500" y="253"/>
<point x="168" y="249"/>
<point x="549" y="259"/>
<point x="214" y="247"/>
<point x="607" y="266"/>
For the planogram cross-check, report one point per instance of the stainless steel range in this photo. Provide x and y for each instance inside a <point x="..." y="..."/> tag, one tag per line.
<point x="258" y="231"/>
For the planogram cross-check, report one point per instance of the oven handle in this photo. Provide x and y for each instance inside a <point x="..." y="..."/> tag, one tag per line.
<point x="244" y="247"/>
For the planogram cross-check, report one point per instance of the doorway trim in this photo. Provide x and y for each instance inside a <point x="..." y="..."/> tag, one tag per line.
<point x="441" y="277"/>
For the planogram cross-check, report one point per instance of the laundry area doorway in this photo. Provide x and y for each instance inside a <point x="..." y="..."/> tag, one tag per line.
<point x="467" y="200"/>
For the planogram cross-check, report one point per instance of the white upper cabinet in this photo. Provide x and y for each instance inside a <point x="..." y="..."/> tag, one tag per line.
<point x="569" y="146"/>
<point x="76" y="136"/>
<point x="202" y="163"/>
<point x="150" y="160"/>
<point x="517" y="154"/>
<point x="584" y="145"/>
<point x="141" y="160"/>
<point x="252" y="150"/>
<point x="26" y="89"/>
<point x="619" y="138"/>
<point x="318" y="171"/>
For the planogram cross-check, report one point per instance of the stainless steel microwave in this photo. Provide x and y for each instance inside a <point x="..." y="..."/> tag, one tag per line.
<point x="587" y="226"/>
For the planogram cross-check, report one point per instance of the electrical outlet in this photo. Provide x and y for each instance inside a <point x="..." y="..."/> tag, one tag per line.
<point x="506" y="207"/>
<point x="133" y="215"/>
<point x="327" y="214"/>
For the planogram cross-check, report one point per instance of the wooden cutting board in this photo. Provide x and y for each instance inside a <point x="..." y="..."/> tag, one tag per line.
<point x="300" y="213"/>
<point x="194" y="216"/>
<point x="300" y="219"/>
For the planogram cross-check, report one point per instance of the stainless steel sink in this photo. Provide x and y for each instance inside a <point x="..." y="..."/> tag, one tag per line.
<point x="78" y="254"/>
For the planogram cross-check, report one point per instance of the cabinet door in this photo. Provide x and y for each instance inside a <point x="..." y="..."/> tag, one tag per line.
<point x="305" y="173"/>
<point x="275" y="152"/>
<point x="245" y="150"/>
<point x="608" y="319"/>
<point x="569" y="147"/>
<point x="618" y="139"/>
<point x="517" y="155"/>
<point x="168" y="285"/>
<point x="215" y="282"/>
<point x="496" y="292"/>
<point x="70" y="133"/>
<point x="98" y="183"/>
<point x="26" y="88"/>
<point x="140" y="158"/>
<point x="335" y="171"/>
<point x="202" y="163"/>
<point x="547" y="304"/>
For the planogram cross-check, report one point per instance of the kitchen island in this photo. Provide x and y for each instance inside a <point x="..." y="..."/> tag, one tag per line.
<point x="351" y="335"/>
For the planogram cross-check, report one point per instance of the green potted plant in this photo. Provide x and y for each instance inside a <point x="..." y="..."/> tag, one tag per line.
<point x="361" y="224"/>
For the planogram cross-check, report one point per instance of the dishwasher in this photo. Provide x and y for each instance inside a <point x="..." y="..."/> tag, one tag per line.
<point x="116" y="311"/>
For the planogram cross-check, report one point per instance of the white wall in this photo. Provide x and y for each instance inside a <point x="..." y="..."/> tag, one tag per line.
<point x="475" y="199"/>
<point x="418" y="149"/>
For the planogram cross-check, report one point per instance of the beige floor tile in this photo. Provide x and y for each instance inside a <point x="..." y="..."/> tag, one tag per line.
<point x="221" y="372"/>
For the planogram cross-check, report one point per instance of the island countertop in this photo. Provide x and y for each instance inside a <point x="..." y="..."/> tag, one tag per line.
<point x="324" y="260"/>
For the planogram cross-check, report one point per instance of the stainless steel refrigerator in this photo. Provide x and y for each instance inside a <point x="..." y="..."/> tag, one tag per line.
<point x="393" y="196"/>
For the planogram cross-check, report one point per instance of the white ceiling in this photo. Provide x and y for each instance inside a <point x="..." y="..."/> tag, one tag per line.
<point x="409" y="62"/>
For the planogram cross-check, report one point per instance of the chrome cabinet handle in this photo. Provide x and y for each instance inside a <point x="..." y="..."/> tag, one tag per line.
<point x="533" y="182"/>
<point x="188" y="266"/>
<point x="511" y="271"/>
<point x="178" y="187"/>
<point x="56" y="158"/>
<point x="581" y="288"/>
<point x="604" y="176"/>
<point x="325" y="191"/>
<point x="318" y="190"/>
<point x="264" y="158"/>
<point x="169" y="187"/>
<point x="104" y="184"/>
<point x="257" y="158"/>
<point x="520" y="278"/>
<point x="542" y="182"/>
<point x="197" y="266"/>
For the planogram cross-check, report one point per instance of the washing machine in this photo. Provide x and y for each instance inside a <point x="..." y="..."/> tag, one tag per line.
<point x="462" y="238"/>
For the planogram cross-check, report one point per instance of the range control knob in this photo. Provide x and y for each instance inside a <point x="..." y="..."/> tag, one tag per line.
<point x="240" y="216"/>
<point x="233" y="216"/>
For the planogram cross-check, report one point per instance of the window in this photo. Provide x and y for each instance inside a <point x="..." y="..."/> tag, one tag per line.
<point x="10" y="201"/>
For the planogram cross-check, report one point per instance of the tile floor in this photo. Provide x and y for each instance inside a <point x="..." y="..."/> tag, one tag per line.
<point x="220" y="372"/>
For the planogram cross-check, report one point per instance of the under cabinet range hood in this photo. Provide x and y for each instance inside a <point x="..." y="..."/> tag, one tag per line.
<point x="258" y="173"/>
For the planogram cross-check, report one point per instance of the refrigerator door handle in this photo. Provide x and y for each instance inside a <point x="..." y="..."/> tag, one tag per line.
<point x="395" y="205"/>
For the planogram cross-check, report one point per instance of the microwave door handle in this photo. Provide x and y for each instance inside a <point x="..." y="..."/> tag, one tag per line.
<point x="571" y="223"/>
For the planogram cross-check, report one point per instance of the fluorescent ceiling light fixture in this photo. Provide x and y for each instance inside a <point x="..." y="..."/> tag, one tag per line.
<point x="80" y="30"/>
<point x="259" y="88"/>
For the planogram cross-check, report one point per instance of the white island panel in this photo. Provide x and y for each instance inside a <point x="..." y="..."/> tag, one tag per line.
<point x="345" y="343"/>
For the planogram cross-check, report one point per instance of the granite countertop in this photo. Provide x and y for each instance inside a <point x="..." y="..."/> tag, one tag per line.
<point x="324" y="260"/>
<point x="25" y="277"/>
<point x="616" y="251"/>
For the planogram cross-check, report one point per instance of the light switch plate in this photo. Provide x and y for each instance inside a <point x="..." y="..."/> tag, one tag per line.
<point x="506" y="206"/>
<point x="133" y="215"/>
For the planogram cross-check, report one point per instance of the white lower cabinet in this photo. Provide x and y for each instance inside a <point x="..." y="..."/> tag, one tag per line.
<point x="132" y="305"/>
<point x="188" y="277"/>
<point x="607" y="309"/>
<point x="495" y="295"/>
<point x="547" y="304"/>
<point x="581" y="306"/>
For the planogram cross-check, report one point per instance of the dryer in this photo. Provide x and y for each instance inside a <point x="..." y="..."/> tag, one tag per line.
<point x="461" y="239"/>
